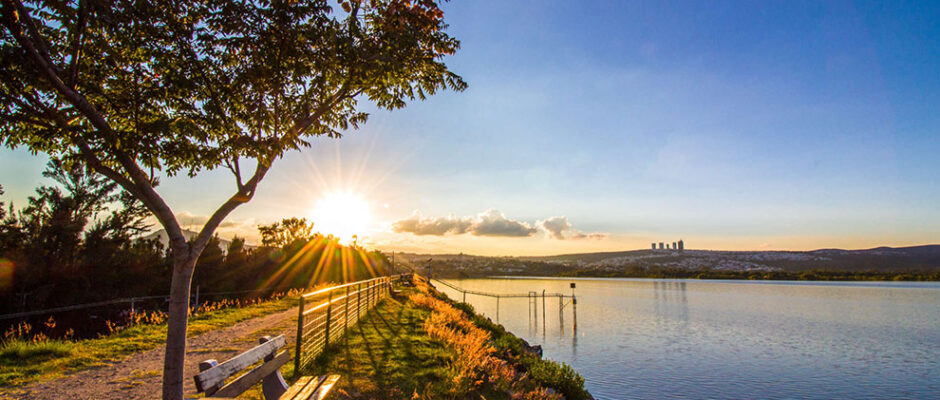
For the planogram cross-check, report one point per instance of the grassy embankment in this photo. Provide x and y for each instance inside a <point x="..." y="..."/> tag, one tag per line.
<point x="29" y="359"/>
<point x="422" y="345"/>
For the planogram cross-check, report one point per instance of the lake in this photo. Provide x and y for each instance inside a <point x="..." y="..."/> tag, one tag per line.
<point x="651" y="339"/>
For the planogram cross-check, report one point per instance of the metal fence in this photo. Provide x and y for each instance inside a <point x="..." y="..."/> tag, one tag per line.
<point x="164" y="298"/>
<point x="325" y="315"/>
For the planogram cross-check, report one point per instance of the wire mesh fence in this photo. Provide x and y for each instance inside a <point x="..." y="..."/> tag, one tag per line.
<point x="325" y="315"/>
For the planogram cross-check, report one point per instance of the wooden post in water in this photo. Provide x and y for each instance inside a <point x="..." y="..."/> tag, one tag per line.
<point x="543" y="311"/>
<point x="535" y="306"/>
<point x="574" y="311"/>
<point x="574" y="308"/>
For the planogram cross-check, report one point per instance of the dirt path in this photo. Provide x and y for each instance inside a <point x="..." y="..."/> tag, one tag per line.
<point x="139" y="376"/>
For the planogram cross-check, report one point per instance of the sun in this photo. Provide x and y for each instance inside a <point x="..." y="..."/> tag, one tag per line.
<point x="342" y="215"/>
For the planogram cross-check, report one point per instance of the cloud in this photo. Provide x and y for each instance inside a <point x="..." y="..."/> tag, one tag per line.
<point x="489" y="223"/>
<point x="186" y="219"/>
<point x="559" y="228"/>
<point x="190" y="220"/>
<point x="494" y="223"/>
<point x="556" y="227"/>
<point x="591" y="236"/>
<point x="432" y="226"/>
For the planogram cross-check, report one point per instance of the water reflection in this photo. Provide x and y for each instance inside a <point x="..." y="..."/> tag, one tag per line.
<point x="707" y="339"/>
<point x="671" y="300"/>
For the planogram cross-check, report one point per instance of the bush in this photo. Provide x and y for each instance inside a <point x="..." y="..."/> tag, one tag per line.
<point x="547" y="373"/>
<point x="559" y="376"/>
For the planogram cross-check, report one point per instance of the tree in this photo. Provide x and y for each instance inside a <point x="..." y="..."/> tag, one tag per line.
<point x="133" y="89"/>
<point x="286" y="232"/>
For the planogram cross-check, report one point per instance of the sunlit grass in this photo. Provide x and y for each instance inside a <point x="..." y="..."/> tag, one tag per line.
<point x="421" y="346"/>
<point x="18" y="350"/>
<point x="55" y="357"/>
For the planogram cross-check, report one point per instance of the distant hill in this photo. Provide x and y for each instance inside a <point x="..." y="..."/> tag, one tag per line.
<point x="880" y="259"/>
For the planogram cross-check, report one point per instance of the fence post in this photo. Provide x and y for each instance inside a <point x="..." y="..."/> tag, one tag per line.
<point x="329" y="311"/>
<point x="346" y="311"/>
<point x="358" y="301"/>
<point x="300" y="336"/>
<point x="195" y="310"/>
<point x="574" y="311"/>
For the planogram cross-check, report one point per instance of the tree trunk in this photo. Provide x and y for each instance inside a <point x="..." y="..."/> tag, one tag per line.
<point x="177" y="321"/>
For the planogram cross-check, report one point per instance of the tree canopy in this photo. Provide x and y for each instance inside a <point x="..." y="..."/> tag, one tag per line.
<point x="134" y="88"/>
<point x="137" y="87"/>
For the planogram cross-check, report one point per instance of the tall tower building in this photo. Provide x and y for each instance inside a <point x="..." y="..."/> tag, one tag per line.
<point x="662" y="246"/>
<point x="681" y="245"/>
<point x="675" y="246"/>
<point x="654" y="245"/>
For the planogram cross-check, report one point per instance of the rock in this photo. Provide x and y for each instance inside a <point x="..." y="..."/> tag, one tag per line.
<point x="534" y="350"/>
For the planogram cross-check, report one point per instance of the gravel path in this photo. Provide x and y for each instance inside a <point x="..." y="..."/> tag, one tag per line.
<point x="139" y="376"/>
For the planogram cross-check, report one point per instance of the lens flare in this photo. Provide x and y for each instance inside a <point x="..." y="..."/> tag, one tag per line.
<point x="343" y="215"/>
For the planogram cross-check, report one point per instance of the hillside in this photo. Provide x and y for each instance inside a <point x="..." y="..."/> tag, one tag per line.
<point x="915" y="259"/>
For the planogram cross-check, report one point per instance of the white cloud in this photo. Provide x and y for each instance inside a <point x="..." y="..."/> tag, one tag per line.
<point x="559" y="228"/>
<point x="489" y="223"/>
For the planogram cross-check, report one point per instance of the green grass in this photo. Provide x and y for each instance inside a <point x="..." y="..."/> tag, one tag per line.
<point x="23" y="362"/>
<point x="388" y="355"/>
<point x="20" y="351"/>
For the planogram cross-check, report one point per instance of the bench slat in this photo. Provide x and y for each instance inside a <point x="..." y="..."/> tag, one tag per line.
<point x="325" y="388"/>
<point x="303" y="387"/>
<point x="297" y="387"/>
<point x="249" y="379"/>
<point x="219" y="373"/>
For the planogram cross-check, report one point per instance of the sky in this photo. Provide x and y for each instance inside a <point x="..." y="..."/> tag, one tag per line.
<point x="607" y="125"/>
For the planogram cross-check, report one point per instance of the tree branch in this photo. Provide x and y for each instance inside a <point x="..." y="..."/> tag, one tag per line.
<point x="243" y="195"/>
<point x="143" y="185"/>
<point x="78" y="34"/>
<point x="23" y="14"/>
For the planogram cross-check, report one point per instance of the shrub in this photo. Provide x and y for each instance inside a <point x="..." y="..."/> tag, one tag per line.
<point x="559" y="376"/>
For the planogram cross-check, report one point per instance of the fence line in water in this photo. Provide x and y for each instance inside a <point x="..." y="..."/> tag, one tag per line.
<point x="531" y="295"/>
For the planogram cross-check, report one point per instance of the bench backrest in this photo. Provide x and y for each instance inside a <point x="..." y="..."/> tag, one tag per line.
<point x="212" y="376"/>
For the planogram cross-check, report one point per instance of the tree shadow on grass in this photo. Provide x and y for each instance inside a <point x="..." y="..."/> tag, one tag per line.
<point x="387" y="354"/>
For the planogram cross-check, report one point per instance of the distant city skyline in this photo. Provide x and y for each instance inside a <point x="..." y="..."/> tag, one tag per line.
<point x="603" y="126"/>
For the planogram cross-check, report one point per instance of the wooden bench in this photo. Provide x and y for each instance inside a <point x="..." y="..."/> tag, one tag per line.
<point x="212" y="375"/>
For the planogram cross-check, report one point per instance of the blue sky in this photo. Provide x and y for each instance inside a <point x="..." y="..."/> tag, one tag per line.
<point x="732" y="125"/>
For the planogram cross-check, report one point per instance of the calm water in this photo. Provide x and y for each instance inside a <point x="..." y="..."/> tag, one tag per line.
<point x="644" y="338"/>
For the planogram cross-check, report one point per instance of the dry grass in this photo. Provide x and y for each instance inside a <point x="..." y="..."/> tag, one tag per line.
<point x="476" y="364"/>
